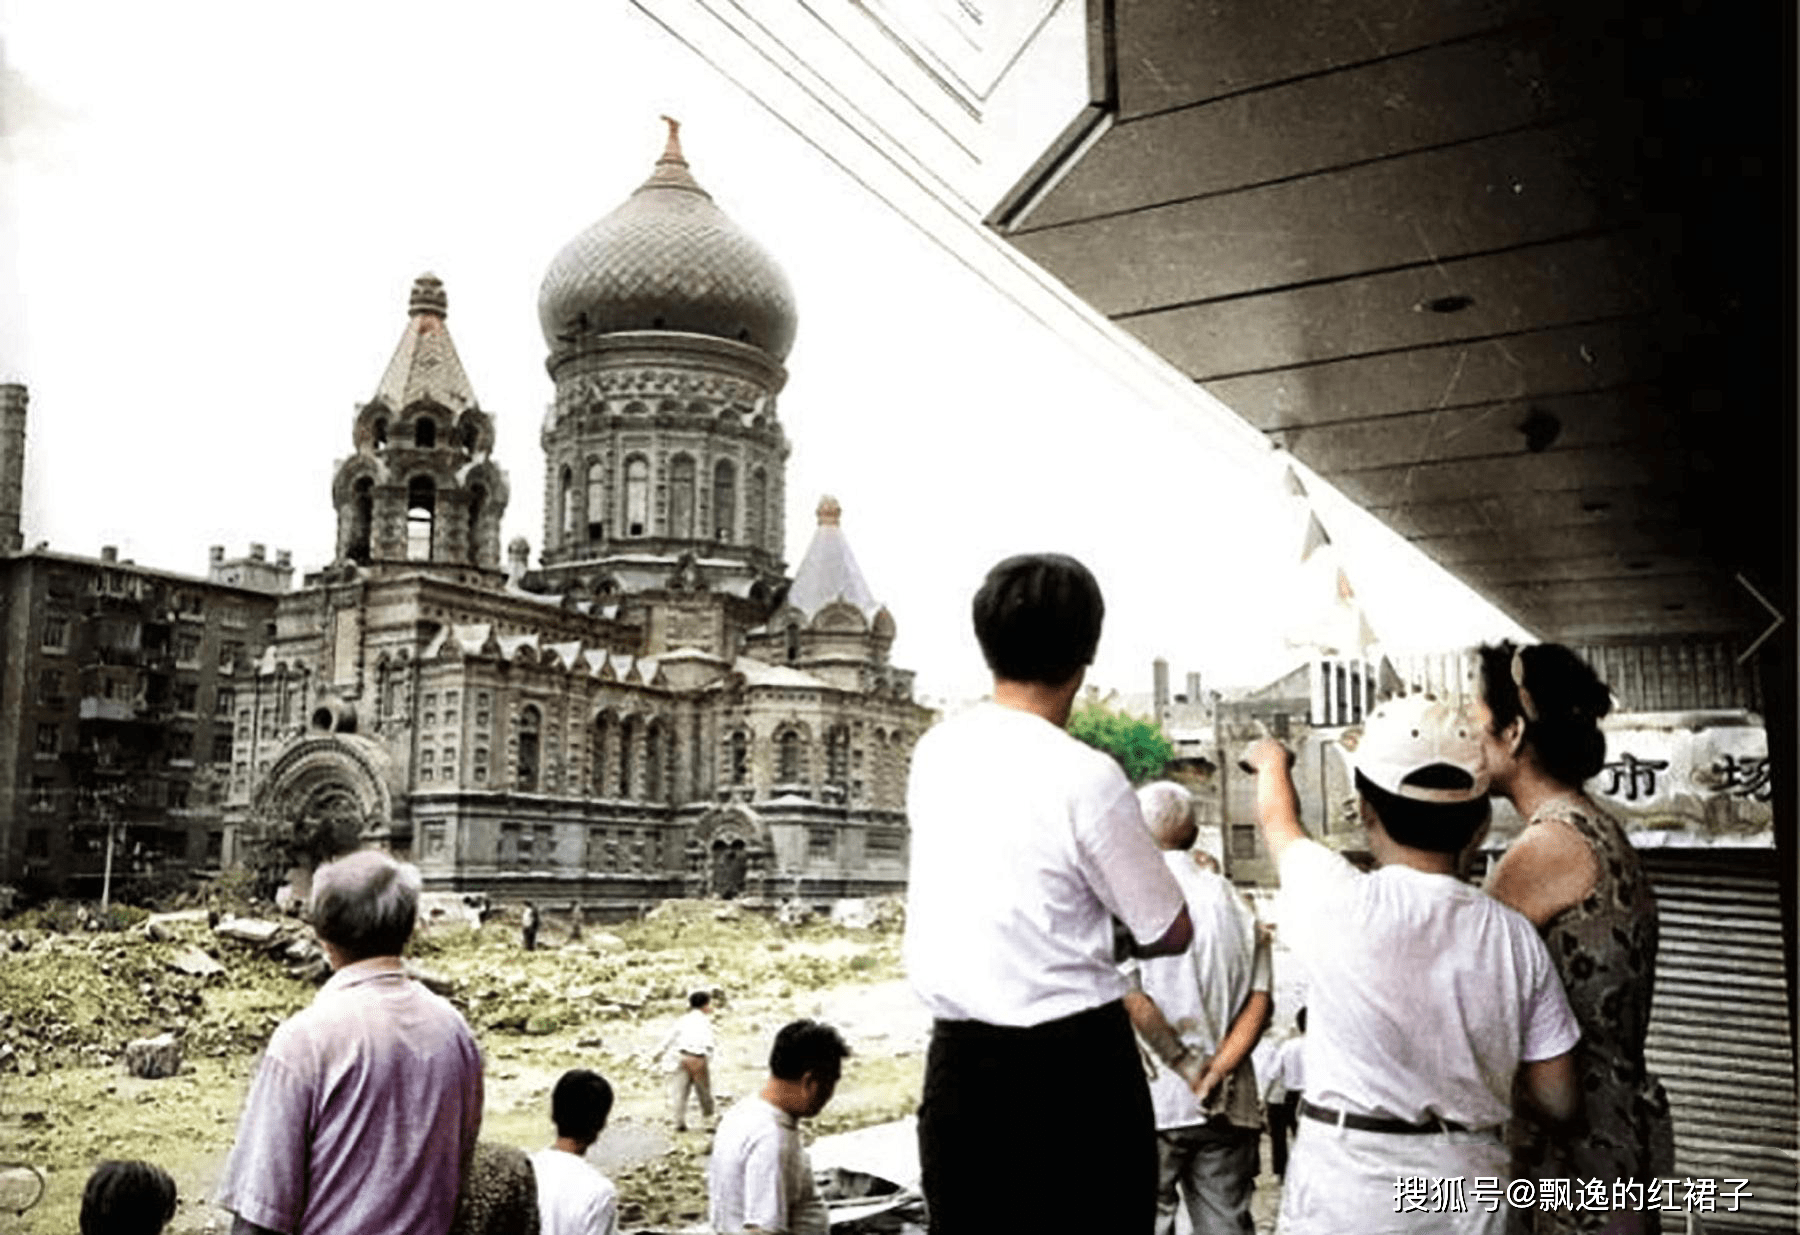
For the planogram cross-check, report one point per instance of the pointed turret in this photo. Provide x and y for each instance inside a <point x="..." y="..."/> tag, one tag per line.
<point x="425" y="364"/>
<point x="829" y="571"/>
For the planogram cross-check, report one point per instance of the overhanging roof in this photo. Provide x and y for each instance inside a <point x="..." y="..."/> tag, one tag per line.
<point x="1512" y="276"/>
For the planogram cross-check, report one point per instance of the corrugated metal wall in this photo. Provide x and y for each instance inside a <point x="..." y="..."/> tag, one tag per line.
<point x="1719" y="1030"/>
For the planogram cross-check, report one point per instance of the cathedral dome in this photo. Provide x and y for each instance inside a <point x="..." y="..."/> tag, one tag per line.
<point x="668" y="259"/>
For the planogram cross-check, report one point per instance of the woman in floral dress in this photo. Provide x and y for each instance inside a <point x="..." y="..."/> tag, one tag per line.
<point x="1575" y="875"/>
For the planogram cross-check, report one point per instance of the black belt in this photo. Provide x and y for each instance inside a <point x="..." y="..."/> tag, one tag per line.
<point x="1373" y="1123"/>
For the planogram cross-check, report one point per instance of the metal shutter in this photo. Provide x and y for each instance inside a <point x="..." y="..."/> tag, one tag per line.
<point x="1719" y="1029"/>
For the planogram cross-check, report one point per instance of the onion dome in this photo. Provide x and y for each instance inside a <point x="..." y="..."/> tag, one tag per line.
<point x="668" y="259"/>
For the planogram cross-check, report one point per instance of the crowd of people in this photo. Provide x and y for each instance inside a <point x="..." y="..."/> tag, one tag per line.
<point x="1100" y="996"/>
<point x="1461" y="1038"/>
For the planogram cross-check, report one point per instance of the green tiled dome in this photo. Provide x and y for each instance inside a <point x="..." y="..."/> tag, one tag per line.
<point x="667" y="259"/>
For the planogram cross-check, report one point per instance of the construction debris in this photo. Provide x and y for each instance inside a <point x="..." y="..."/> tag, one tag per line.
<point x="195" y="963"/>
<point x="154" y="1057"/>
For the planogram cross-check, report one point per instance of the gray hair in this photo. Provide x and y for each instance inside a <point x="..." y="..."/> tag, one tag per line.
<point x="365" y="904"/>
<point x="1168" y="813"/>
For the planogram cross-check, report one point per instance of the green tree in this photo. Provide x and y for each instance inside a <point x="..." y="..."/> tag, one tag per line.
<point x="1138" y="744"/>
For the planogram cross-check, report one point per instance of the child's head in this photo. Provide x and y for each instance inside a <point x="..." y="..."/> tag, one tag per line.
<point x="1421" y="771"/>
<point x="580" y="1104"/>
<point x="127" y="1198"/>
<point x="700" y="1001"/>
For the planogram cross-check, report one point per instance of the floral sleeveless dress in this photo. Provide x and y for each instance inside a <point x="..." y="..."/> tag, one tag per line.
<point x="1604" y="949"/>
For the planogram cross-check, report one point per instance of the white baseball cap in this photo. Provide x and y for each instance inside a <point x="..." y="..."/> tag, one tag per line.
<point x="1404" y="736"/>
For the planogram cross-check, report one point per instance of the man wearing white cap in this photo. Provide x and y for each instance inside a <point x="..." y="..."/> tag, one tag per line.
<point x="1427" y="997"/>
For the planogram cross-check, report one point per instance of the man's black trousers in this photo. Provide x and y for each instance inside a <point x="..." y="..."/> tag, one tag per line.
<point x="1041" y="1129"/>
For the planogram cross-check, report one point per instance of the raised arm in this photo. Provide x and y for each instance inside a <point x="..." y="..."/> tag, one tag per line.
<point x="1277" y="805"/>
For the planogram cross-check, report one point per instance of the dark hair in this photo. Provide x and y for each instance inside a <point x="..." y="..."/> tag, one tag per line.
<point x="1568" y="700"/>
<point x="1037" y="618"/>
<point x="580" y="1104"/>
<point x="806" y="1046"/>
<point x="1300" y="1019"/>
<point x="127" y="1198"/>
<point x="1438" y="827"/>
<point x="699" y="999"/>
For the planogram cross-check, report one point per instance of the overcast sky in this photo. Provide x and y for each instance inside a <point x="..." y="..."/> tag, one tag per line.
<point x="212" y="213"/>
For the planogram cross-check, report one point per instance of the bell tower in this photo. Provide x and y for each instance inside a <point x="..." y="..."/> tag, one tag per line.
<point x="422" y="490"/>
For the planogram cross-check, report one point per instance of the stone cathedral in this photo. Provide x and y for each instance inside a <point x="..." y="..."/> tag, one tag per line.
<point x="657" y="709"/>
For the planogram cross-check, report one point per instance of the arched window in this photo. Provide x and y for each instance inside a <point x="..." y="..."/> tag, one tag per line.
<point x="637" y="497"/>
<point x="470" y="436"/>
<point x="477" y="508"/>
<point x="754" y="515"/>
<point x="681" y="497"/>
<point x="724" y="510"/>
<point x="653" y="763"/>
<point x="740" y="757"/>
<point x="380" y="434"/>
<point x="421" y="508"/>
<point x="531" y="723"/>
<point x="603" y="728"/>
<point x="837" y="756"/>
<point x="793" y="643"/>
<point x="789" y="760"/>
<point x="628" y="734"/>
<point x="568" y="504"/>
<point x="362" y="518"/>
<point x="596" y="501"/>
<point x="425" y="433"/>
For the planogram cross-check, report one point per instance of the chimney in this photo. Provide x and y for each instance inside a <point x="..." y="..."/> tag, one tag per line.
<point x="13" y="398"/>
<point x="109" y="553"/>
<point x="257" y="551"/>
<point x="1159" y="669"/>
<point x="216" y="554"/>
<point x="518" y="560"/>
<point x="284" y="559"/>
<point x="1193" y="690"/>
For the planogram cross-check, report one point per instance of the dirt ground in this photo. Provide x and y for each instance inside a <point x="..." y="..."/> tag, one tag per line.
<point x="605" y="1001"/>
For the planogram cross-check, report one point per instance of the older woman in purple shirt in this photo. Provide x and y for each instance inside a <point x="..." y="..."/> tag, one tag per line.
<point x="365" y="1108"/>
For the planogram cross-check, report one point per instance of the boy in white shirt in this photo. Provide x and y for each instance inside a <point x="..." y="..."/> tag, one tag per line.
<point x="573" y="1197"/>
<point x="759" y="1177"/>
<point x="1427" y="997"/>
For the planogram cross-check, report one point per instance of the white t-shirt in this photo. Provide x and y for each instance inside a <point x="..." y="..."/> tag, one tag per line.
<point x="1426" y="994"/>
<point x="1026" y="843"/>
<point x="692" y="1035"/>
<point x="759" y="1174"/>
<point x="1278" y="1067"/>
<point x="1201" y="990"/>
<point x="573" y="1197"/>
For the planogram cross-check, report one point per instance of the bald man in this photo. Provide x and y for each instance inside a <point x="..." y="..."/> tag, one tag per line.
<point x="1200" y="1012"/>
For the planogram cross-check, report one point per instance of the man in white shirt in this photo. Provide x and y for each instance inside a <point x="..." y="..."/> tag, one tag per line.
<point x="1027" y="847"/>
<point x="573" y="1197"/>
<point x="687" y="1057"/>
<point x="1201" y="1013"/>
<point x="1428" y="998"/>
<point x="759" y="1177"/>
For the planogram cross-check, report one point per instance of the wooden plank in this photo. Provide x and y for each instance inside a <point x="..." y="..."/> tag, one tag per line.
<point x="1174" y="54"/>
<point x="1617" y="417"/>
<point x="1530" y="289"/>
<point x="1436" y="205"/>
<point x="1544" y="363"/>
<point x="1432" y="480"/>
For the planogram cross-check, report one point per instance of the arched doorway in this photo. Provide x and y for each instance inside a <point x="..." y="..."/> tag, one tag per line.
<point x="730" y="862"/>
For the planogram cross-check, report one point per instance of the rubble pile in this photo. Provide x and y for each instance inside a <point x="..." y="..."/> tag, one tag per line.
<point x="220" y="984"/>
<point x="78" y="999"/>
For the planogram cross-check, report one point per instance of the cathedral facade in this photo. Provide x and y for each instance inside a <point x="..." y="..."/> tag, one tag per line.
<point x="656" y="709"/>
